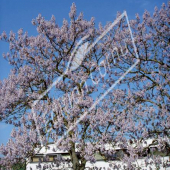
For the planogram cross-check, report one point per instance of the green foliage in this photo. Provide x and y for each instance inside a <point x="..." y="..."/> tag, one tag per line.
<point x="19" y="166"/>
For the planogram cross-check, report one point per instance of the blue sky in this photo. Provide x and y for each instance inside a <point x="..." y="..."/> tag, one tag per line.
<point x="18" y="14"/>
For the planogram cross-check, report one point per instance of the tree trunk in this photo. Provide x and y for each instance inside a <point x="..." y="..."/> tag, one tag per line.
<point x="75" y="161"/>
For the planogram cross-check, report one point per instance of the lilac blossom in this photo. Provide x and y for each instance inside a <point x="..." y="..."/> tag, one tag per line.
<point x="137" y="110"/>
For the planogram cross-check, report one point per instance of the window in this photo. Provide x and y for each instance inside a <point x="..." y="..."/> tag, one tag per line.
<point x="99" y="157"/>
<point x="155" y="151"/>
<point x="37" y="159"/>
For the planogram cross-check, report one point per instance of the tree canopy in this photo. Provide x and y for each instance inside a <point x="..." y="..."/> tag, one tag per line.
<point x="137" y="108"/>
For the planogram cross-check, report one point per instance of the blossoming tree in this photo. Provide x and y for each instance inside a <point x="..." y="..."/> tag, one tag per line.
<point x="135" y="110"/>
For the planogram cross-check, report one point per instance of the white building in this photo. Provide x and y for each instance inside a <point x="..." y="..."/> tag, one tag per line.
<point x="47" y="157"/>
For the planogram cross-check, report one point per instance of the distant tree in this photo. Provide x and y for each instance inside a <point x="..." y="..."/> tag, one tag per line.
<point x="17" y="166"/>
<point x="137" y="109"/>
